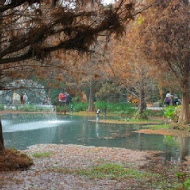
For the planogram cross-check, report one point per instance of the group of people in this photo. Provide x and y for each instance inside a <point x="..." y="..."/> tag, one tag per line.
<point x="17" y="99"/>
<point x="64" y="98"/>
<point x="171" y="99"/>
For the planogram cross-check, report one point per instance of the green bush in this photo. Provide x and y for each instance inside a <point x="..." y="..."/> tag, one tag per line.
<point x="80" y="106"/>
<point x="77" y="106"/>
<point x="142" y="116"/>
<point x="116" y="107"/>
<point x="29" y="108"/>
<point x="2" y="107"/>
<point x="32" y="108"/>
<point x="172" y="112"/>
<point x="187" y="183"/>
<point x="169" y="112"/>
<point x="100" y="105"/>
<point x="157" y="113"/>
<point x="59" y="109"/>
<point x="121" y="108"/>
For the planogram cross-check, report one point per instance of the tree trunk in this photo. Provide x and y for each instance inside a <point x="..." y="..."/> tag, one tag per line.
<point x="142" y="102"/>
<point x="2" y="148"/>
<point x="184" y="117"/>
<point x="185" y="114"/>
<point x="91" y="96"/>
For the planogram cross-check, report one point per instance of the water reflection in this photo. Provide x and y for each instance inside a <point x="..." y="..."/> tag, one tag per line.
<point x="184" y="147"/>
<point x="97" y="128"/>
<point x="21" y="131"/>
<point x="176" y="148"/>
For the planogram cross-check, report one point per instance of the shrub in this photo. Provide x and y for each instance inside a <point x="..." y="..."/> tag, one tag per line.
<point x="116" y="107"/>
<point x="59" y="109"/>
<point x="32" y="108"/>
<point x="80" y="106"/>
<point x="169" y="112"/>
<point x="187" y="183"/>
<point x="172" y="112"/>
<point x="158" y="113"/>
<point x="100" y="105"/>
<point x="143" y="115"/>
<point x="2" y="107"/>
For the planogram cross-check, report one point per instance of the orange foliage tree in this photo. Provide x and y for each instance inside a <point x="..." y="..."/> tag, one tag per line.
<point x="130" y="67"/>
<point x="33" y="30"/>
<point x="166" y="41"/>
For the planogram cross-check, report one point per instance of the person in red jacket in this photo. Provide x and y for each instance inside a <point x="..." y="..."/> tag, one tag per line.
<point x="60" y="97"/>
<point x="62" y="102"/>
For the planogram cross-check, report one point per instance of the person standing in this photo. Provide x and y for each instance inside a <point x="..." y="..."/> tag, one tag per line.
<point x="16" y="98"/>
<point x="175" y="100"/>
<point x="25" y="99"/>
<point x="68" y="98"/>
<point x="60" y="97"/>
<point x="22" y="99"/>
<point x="64" y="99"/>
<point x="168" y="99"/>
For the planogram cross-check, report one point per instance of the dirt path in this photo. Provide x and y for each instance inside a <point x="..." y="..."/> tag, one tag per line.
<point x="45" y="173"/>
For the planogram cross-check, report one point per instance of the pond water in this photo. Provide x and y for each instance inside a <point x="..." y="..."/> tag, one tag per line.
<point x="23" y="130"/>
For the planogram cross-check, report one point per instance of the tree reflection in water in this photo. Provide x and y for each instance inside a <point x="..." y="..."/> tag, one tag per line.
<point x="176" y="148"/>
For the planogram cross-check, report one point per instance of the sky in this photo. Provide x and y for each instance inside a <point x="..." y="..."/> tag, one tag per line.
<point x="108" y="1"/>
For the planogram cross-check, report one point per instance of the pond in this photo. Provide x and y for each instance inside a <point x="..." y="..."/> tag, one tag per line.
<point x="23" y="130"/>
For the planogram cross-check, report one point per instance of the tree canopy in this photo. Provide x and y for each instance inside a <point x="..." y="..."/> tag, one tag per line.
<point x="33" y="29"/>
<point x="165" y="42"/>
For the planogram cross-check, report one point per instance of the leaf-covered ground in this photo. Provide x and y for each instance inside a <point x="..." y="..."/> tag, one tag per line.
<point x="70" y="167"/>
<point x="53" y="163"/>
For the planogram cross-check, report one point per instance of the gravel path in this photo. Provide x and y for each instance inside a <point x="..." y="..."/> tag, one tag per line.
<point x="41" y="176"/>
